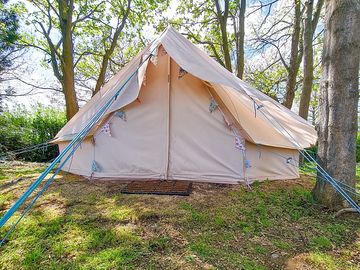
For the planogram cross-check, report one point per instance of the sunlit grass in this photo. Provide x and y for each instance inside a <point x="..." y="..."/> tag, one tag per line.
<point x="78" y="224"/>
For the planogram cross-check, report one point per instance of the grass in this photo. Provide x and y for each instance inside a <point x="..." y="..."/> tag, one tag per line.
<point x="79" y="224"/>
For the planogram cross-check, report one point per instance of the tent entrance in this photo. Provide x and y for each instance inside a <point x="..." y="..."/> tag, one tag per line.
<point x="159" y="187"/>
<point x="197" y="138"/>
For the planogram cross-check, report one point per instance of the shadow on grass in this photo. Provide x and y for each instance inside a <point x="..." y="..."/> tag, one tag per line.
<point x="86" y="225"/>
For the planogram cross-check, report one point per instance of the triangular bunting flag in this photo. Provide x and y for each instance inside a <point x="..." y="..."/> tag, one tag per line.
<point x="213" y="105"/>
<point x="121" y="115"/>
<point x="182" y="73"/>
<point x="240" y="143"/>
<point x="94" y="166"/>
<point x="247" y="164"/>
<point x="154" y="57"/>
<point x="106" y="129"/>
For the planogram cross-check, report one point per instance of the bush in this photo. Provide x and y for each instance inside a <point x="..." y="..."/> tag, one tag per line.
<point x="21" y="128"/>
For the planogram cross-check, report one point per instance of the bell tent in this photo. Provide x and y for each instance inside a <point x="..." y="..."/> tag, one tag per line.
<point x="185" y="117"/>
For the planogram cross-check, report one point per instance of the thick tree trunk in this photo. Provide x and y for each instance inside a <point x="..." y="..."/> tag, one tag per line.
<point x="308" y="62"/>
<point x="310" y="26"/>
<point x="67" y="58"/>
<point x="241" y="40"/>
<point x="294" y="58"/>
<point x="338" y="99"/>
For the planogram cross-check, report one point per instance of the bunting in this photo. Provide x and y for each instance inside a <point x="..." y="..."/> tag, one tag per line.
<point x="247" y="164"/>
<point x="121" y="115"/>
<point x="182" y="73"/>
<point x="154" y="57"/>
<point x="239" y="143"/>
<point x="106" y="129"/>
<point x="94" y="167"/>
<point x="213" y="105"/>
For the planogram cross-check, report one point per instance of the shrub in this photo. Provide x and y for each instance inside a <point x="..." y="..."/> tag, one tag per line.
<point x="21" y="128"/>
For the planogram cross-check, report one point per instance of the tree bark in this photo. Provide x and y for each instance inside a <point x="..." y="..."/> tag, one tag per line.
<point x="240" y="39"/>
<point x="66" y="8"/>
<point x="309" y="29"/>
<point x="222" y="17"/>
<point x="294" y="58"/>
<point x="338" y="99"/>
<point x="308" y="62"/>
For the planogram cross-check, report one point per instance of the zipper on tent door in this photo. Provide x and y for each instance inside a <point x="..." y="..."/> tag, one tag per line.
<point x="168" y="118"/>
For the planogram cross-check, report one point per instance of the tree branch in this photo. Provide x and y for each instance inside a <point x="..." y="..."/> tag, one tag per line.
<point x="53" y="53"/>
<point x="87" y="16"/>
<point x="34" y="85"/>
<point x="211" y="44"/>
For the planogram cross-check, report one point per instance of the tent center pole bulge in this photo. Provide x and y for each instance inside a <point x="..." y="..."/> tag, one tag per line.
<point x="168" y="118"/>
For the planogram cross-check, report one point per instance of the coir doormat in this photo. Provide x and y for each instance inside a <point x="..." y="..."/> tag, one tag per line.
<point x="159" y="187"/>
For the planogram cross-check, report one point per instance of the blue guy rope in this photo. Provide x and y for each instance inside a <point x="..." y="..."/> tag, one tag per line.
<point x="73" y="143"/>
<point x="333" y="182"/>
<point x="346" y="187"/>
<point x="319" y="169"/>
<point x="26" y="149"/>
<point x="43" y="189"/>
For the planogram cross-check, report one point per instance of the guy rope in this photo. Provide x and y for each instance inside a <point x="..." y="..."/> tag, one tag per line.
<point x="63" y="157"/>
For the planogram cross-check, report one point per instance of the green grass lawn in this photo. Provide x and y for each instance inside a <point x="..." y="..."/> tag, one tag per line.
<point x="79" y="224"/>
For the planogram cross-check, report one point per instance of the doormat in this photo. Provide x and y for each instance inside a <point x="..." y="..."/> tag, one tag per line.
<point x="159" y="187"/>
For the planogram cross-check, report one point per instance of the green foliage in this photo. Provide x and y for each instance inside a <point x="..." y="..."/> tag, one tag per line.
<point x="23" y="128"/>
<point x="9" y="25"/>
<point x="95" y="23"/>
<point x="271" y="81"/>
<point x="215" y="25"/>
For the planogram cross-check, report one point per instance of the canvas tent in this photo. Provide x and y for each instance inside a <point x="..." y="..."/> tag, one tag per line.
<point x="185" y="117"/>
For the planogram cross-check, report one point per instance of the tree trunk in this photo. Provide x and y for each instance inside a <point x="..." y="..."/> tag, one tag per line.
<point x="101" y="79"/>
<point x="308" y="62"/>
<point x="67" y="58"/>
<point x="222" y="17"/>
<point x="338" y="99"/>
<point x="225" y="45"/>
<point x="241" y="39"/>
<point x="310" y="26"/>
<point x="294" y="58"/>
<point x="108" y="52"/>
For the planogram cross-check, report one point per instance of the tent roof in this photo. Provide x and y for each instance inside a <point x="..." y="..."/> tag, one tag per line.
<point x="272" y="124"/>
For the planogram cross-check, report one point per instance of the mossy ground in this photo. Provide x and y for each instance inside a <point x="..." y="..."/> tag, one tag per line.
<point x="79" y="224"/>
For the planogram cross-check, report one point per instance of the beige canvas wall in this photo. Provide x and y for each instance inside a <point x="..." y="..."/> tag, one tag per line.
<point x="169" y="133"/>
<point x="201" y="146"/>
